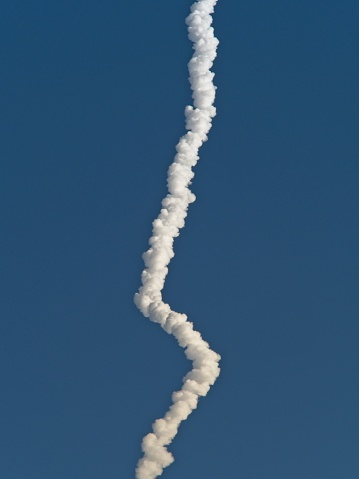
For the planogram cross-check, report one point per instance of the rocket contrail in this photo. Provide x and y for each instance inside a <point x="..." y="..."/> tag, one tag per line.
<point x="165" y="228"/>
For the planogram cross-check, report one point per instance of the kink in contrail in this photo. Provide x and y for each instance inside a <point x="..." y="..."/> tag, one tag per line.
<point x="165" y="228"/>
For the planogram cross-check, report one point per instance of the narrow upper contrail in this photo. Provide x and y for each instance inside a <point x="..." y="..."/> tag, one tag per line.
<point x="165" y="228"/>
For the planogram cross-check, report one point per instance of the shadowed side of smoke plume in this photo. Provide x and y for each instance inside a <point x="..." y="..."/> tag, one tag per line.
<point x="165" y="228"/>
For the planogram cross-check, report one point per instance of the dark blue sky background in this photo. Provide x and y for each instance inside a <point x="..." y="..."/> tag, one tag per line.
<point x="92" y="99"/>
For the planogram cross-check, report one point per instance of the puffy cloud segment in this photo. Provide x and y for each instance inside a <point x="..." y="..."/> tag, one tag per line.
<point x="165" y="228"/>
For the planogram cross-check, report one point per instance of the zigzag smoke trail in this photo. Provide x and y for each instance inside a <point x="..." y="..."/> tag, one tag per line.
<point x="165" y="228"/>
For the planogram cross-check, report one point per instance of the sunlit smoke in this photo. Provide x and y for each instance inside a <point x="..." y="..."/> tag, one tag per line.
<point x="165" y="228"/>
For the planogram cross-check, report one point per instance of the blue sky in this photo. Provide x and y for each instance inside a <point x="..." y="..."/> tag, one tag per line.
<point x="92" y="95"/>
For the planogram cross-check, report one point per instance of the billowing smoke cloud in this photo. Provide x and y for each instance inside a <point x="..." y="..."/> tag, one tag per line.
<point x="165" y="228"/>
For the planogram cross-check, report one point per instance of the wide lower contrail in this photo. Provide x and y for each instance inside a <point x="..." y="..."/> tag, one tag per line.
<point x="165" y="228"/>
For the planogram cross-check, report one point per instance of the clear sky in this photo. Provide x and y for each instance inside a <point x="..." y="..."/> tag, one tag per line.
<point x="92" y="99"/>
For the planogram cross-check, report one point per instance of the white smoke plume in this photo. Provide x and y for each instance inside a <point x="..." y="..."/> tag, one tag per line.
<point x="165" y="228"/>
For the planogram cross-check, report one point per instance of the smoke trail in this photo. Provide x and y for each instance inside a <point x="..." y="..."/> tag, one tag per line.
<point x="165" y="228"/>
